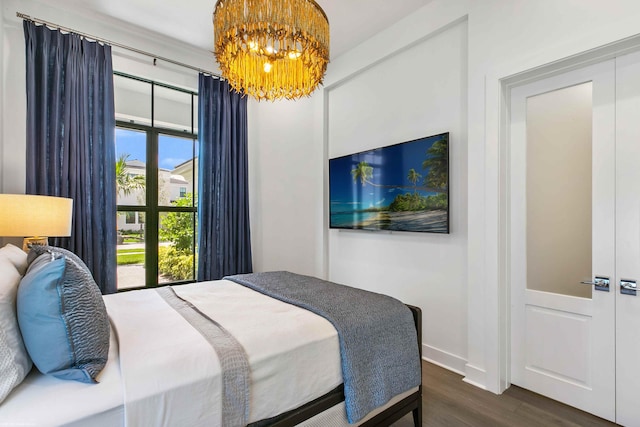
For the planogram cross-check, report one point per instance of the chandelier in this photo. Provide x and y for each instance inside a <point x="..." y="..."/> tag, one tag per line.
<point x="271" y="49"/>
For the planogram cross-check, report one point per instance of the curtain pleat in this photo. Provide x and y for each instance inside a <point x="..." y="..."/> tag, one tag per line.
<point x="224" y="242"/>
<point x="70" y="140"/>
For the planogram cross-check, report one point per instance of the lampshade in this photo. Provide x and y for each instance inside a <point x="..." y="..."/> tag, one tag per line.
<point x="271" y="49"/>
<point x="24" y="215"/>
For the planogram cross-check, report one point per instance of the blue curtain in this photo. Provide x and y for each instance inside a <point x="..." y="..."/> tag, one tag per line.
<point x="70" y="140"/>
<point x="224" y="243"/>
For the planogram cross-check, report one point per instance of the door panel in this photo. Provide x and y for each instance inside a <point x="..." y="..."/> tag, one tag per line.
<point x="563" y="334"/>
<point x="628" y="238"/>
<point x="562" y="231"/>
<point x="558" y="187"/>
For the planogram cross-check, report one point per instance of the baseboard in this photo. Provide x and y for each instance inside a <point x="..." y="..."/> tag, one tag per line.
<point x="471" y="374"/>
<point x="475" y="376"/>
<point x="444" y="359"/>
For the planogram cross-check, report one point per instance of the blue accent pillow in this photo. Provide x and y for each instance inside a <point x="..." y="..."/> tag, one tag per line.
<point x="62" y="316"/>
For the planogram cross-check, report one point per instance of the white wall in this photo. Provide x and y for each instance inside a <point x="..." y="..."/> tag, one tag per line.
<point x="286" y="167"/>
<point x="416" y="92"/>
<point x="2" y="90"/>
<point x="13" y="104"/>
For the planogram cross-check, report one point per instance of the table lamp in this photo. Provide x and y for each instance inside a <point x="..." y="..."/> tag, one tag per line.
<point x="38" y="217"/>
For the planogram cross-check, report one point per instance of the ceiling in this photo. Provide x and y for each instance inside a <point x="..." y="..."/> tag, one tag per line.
<point x="351" y="21"/>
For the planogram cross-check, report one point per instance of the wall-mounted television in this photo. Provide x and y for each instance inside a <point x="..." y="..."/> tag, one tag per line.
<point x="401" y="187"/>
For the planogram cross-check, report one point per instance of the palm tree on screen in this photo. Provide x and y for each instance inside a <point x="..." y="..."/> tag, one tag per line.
<point x="363" y="172"/>
<point x="437" y="163"/>
<point x="413" y="178"/>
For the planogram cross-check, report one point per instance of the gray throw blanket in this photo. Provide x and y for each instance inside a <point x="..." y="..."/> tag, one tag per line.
<point x="378" y="345"/>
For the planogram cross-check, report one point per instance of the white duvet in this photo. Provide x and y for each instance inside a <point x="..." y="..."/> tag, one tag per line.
<point x="168" y="375"/>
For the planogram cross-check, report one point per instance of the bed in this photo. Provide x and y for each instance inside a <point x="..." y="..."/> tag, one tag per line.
<point x="163" y="370"/>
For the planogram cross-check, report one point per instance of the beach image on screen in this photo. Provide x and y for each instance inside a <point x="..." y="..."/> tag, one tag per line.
<point x="402" y="187"/>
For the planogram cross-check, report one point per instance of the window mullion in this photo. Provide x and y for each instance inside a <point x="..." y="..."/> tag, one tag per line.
<point x="151" y="267"/>
<point x="194" y="190"/>
<point x="151" y="264"/>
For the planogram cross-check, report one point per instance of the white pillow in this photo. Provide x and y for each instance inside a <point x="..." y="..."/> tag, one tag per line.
<point x="17" y="256"/>
<point x="15" y="363"/>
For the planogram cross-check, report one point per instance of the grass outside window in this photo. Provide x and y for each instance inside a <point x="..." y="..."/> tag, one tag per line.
<point x="130" y="256"/>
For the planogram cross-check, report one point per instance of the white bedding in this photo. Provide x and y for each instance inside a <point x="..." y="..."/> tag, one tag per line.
<point x="171" y="374"/>
<point x="48" y="401"/>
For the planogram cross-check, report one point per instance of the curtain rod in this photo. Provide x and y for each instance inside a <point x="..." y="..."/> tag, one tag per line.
<point x="111" y="43"/>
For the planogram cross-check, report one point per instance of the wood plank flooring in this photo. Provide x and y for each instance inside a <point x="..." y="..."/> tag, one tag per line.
<point x="450" y="402"/>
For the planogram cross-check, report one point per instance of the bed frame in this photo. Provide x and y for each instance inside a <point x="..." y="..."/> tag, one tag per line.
<point x="411" y="403"/>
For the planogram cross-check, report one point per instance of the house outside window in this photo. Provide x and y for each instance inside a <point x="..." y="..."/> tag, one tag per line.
<point x="130" y="217"/>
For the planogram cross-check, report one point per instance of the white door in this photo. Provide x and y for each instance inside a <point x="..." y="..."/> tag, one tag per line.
<point x="628" y="239"/>
<point x="562" y="232"/>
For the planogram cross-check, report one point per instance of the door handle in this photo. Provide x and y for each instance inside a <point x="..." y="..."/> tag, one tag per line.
<point x="628" y="287"/>
<point x="600" y="283"/>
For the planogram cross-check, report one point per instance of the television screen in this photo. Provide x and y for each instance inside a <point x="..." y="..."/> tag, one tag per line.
<point x="402" y="187"/>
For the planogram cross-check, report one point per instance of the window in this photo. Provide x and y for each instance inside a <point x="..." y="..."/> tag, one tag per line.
<point x="156" y="176"/>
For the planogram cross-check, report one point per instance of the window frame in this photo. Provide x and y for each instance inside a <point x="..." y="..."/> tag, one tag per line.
<point x="152" y="210"/>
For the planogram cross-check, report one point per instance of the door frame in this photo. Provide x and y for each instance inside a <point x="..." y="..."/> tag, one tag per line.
<point x="503" y="80"/>
<point x="593" y="386"/>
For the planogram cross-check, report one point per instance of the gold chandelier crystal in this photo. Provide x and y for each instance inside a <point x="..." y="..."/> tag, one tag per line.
<point x="271" y="49"/>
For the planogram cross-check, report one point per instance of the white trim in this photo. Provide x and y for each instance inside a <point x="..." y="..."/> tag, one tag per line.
<point x="475" y="376"/>
<point x="325" y="266"/>
<point x="444" y="359"/>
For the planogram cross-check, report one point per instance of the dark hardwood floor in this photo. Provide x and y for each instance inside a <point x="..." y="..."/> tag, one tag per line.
<point x="448" y="401"/>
